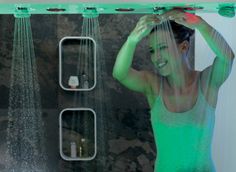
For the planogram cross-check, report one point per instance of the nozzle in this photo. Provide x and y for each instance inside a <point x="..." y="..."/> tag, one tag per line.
<point x="227" y="11"/>
<point x="22" y="12"/>
<point x="159" y="10"/>
<point x="90" y="12"/>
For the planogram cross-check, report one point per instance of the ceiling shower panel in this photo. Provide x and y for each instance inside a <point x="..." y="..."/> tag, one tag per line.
<point x="110" y="6"/>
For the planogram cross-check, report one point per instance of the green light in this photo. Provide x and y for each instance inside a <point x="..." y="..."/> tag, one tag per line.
<point x="159" y="10"/>
<point x="22" y="12"/>
<point x="90" y="12"/>
<point x="227" y="11"/>
<point x="93" y="8"/>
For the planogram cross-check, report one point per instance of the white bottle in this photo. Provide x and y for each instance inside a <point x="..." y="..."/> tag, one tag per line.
<point x="73" y="151"/>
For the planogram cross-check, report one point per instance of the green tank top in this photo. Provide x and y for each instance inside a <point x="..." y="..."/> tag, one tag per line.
<point x="183" y="140"/>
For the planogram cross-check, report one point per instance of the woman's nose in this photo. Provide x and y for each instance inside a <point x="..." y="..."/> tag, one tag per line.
<point x="157" y="55"/>
<point x="155" y="58"/>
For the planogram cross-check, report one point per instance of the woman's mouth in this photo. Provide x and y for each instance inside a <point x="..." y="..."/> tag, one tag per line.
<point x="162" y="64"/>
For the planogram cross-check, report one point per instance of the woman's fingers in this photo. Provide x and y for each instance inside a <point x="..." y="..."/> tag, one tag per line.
<point x="149" y="18"/>
<point x="144" y="26"/>
<point x="148" y="21"/>
<point x="143" y="29"/>
<point x="172" y="14"/>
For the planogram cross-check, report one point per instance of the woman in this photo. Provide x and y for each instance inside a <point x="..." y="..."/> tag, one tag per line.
<point x="182" y="100"/>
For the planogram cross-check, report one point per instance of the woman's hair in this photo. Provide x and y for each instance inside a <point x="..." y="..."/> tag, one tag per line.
<point x="181" y="32"/>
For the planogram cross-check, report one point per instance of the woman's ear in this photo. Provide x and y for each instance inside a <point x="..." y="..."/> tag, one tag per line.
<point x="184" y="46"/>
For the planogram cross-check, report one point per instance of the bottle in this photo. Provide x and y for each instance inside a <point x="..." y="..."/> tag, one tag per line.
<point x="73" y="151"/>
<point x="80" y="151"/>
<point x="85" y="147"/>
<point x="85" y="81"/>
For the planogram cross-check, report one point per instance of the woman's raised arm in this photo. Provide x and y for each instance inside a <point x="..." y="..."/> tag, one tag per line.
<point x="221" y="67"/>
<point x="122" y="70"/>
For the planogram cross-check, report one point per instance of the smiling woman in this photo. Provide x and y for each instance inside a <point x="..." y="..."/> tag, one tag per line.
<point x="182" y="100"/>
<point x="163" y="48"/>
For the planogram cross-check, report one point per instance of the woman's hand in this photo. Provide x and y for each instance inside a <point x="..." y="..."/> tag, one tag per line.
<point x="144" y="27"/>
<point x="189" y="20"/>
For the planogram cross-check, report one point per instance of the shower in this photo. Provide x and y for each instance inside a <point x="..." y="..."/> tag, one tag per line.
<point x="61" y="87"/>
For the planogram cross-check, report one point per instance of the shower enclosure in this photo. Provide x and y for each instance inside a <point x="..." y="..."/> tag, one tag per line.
<point x="60" y="108"/>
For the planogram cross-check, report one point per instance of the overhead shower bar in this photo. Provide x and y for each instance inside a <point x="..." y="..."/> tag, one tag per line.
<point x="112" y="6"/>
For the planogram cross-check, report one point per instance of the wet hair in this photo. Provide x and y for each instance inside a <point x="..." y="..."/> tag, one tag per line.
<point x="181" y="32"/>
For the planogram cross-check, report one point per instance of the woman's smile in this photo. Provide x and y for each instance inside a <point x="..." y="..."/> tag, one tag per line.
<point x="162" y="64"/>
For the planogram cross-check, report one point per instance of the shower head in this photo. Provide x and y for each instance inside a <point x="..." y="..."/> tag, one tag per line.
<point x="90" y="12"/>
<point x="227" y="11"/>
<point x="21" y="12"/>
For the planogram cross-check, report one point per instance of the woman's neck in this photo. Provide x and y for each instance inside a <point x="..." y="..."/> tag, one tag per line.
<point x="180" y="80"/>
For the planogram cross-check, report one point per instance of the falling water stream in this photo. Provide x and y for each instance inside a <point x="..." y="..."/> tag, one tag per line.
<point x="97" y="98"/>
<point x="25" y="132"/>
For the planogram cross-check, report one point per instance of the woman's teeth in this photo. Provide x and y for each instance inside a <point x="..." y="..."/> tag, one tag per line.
<point x="160" y="65"/>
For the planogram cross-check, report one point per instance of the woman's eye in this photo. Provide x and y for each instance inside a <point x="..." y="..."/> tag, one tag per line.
<point x="151" y="51"/>
<point x="162" y="47"/>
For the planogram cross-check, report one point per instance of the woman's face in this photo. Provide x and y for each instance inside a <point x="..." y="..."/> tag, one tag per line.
<point x="165" y="53"/>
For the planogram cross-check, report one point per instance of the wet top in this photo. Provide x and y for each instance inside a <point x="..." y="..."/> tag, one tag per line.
<point x="183" y="139"/>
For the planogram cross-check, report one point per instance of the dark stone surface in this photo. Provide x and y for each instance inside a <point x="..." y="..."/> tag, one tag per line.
<point x="129" y="136"/>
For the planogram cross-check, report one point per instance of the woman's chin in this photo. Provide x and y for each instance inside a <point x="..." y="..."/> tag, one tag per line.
<point x="163" y="72"/>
